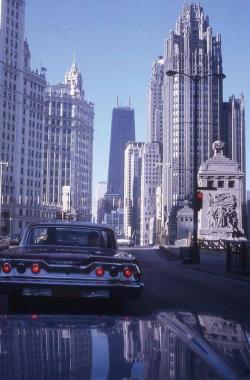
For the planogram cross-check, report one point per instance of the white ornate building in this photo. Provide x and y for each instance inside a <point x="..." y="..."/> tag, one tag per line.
<point x="68" y="148"/>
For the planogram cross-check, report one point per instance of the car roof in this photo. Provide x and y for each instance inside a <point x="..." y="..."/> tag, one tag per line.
<point x="70" y="223"/>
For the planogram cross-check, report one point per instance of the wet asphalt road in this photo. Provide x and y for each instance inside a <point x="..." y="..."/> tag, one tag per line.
<point x="169" y="285"/>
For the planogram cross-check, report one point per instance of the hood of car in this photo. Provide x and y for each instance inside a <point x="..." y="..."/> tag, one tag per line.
<point x="167" y="345"/>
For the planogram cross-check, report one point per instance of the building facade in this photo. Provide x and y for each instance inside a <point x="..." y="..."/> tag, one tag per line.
<point x="234" y="136"/>
<point x="132" y="189"/>
<point x="11" y="107"/>
<point x="31" y="170"/>
<point x="194" y="50"/>
<point x="122" y="131"/>
<point x="155" y="106"/>
<point x="184" y="223"/>
<point x="150" y="180"/>
<point x="68" y="145"/>
<point x="21" y="123"/>
<point x="100" y="201"/>
<point x="233" y="133"/>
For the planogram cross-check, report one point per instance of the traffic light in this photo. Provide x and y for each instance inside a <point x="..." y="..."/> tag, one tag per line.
<point x="199" y="200"/>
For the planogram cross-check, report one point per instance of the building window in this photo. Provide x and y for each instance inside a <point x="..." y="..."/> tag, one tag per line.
<point x="210" y="184"/>
<point x="220" y="183"/>
<point x="231" y="184"/>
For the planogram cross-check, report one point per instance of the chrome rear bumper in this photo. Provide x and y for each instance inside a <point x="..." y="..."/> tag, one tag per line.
<point x="70" y="287"/>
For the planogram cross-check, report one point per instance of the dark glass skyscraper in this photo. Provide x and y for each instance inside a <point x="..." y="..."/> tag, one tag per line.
<point x="122" y="131"/>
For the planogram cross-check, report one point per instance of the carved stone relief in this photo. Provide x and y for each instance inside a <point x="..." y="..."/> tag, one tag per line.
<point x="222" y="212"/>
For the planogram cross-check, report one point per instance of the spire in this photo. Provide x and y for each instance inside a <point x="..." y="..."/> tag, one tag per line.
<point x="73" y="78"/>
<point x="74" y="67"/>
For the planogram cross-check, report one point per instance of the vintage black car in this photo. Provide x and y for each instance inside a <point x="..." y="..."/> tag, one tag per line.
<point x="69" y="259"/>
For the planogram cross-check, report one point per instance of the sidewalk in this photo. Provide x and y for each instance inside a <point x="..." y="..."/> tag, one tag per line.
<point x="210" y="262"/>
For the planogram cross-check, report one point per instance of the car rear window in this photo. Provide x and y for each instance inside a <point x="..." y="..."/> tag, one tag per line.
<point x="73" y="236"/>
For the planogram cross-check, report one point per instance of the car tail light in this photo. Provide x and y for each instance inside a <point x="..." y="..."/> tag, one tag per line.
<point x="99" y="271"/>
<point x="6" y="268"/>
<point x="127" y="272"/>
<point x="35" y="268"/>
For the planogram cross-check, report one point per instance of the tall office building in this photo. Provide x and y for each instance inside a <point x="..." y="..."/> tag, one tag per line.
<point x="150" y="181"/>
<point x="233" y="133"/>
<point x="122" y="131"/>
<point x="68" y="147"/>
<point x="21" y="119"/>
<point x="100" y="201"/>
<point x="192" y="49"/>
<point x="101" y="190"/>
<point x="31" y="170"/>
<point x="155" y="106"/>
<point x="132" y="189"/>
<point x="11" y="104"/>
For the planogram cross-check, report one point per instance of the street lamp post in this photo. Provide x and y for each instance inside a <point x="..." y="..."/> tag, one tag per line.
<point x="2" y="164"/>
<point x="196" y="79"/>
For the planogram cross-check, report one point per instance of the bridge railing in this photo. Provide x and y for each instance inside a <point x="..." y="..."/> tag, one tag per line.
<point x="237" y="253"/>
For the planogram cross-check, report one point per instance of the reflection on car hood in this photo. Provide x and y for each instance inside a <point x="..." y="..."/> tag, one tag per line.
<point x="170" y="345"/>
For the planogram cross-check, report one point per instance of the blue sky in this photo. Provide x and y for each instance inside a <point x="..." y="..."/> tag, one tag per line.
<point x="116" y="42"/>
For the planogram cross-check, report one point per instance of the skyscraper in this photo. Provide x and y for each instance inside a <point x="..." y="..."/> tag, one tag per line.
<point x="31" y="170"/>
<point x="233" y="134"/>
<point x="21" y="122"/>
<point x="150" y="181"/>
<point x="193" y="50"/>
<point x="100" y="201"/>
<point x="155" y="106"/>
<point x="122" y="131"/>
<point x="68" y="149"/>
<point x="132" y="189"/>
<point x="11" y="102"/>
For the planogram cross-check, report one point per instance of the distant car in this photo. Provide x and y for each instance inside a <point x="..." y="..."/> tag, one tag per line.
<point x="125" y="242"/>
<point x="12" y="239"/>
<point x="69" y="259"/>
<point x="4" y="244"/>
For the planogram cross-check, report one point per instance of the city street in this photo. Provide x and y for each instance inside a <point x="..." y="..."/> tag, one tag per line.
<point x="168" y="285"/>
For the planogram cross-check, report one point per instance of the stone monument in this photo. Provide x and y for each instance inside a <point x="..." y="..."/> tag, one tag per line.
<point x="221" y="214"/>
<point x="184" y="222"/>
